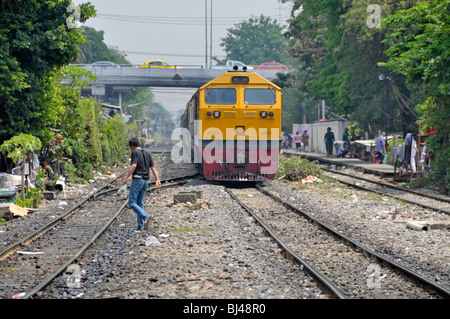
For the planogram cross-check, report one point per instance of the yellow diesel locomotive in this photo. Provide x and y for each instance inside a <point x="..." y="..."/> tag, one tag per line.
<point x="234" y="123"/>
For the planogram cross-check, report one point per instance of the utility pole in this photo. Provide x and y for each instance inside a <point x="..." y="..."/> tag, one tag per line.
<point x="210" y="39"/>
<point x="206" y="33"/>
<point x="387" y="110"/>
<point x="381" y="77"/>
<point x="323" y="109"/>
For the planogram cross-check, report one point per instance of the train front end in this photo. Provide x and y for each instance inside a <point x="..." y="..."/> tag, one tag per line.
<point x="239" y="127"/>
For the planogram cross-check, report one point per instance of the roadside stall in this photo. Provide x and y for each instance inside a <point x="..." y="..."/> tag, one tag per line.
<point x="362" y="149"/>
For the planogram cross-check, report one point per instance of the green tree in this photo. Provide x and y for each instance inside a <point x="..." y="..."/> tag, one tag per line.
<point x="335" y="38"/>
<point x="94" y="48"/>
<point x="139" y="98"/>
<point x="255" y="41"/>
<point x="420" y="50"/>
<point x="298" y="104"/>
<point x="117" y="140"/>
<point x="35" y="39"/>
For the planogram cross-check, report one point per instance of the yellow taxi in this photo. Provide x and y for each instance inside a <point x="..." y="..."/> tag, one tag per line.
<point x="159" y="64"/>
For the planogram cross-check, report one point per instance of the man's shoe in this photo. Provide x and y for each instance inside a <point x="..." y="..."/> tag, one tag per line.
<point x="146" y="222"/>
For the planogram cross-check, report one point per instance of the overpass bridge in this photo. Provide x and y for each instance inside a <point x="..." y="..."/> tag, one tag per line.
<point x="112" y="82"/>
<point x="187" y="77"/>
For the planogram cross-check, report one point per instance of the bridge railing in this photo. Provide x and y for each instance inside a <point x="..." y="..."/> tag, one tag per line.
<point x="178" y="66"/>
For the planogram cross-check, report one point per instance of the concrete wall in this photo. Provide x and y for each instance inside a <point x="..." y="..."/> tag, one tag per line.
<point x="317" y="132"/>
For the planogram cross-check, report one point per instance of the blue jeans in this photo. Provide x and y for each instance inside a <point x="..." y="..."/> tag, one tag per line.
<point x="136" y="200"/>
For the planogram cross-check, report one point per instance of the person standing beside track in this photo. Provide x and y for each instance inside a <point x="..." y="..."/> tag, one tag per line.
<point x="345" y="136"/>
<point x="298" y="141"/>
<point x="380" y="146"/>
<point x="141" y="163"/>
<point x="305" y="141"/>
<point x="329" y="140"/>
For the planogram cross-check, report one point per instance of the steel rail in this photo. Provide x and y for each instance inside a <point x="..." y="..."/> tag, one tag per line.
<point x="58" y="271"/>
<point x="162" y="181"/>
<point x="41" y="230"/>
<point x="390" y="186"/>
<point x="443" y="291"/>
<point x="329" y="286"/>
<point x="44" y="228"/>
<point x="376" y="182"/>
<point x="439" y="210"/>
<point x="86" y="246"/>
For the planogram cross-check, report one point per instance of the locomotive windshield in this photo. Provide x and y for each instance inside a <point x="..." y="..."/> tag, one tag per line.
<point x="259" y="96"/>
<point x="220" y="96"/>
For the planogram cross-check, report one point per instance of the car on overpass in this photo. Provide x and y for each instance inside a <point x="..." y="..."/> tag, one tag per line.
<point x="272" y="66"/>
<point x="105" y="64"/>
<point x="231" y="64"/>
<point x="158" y="64"/>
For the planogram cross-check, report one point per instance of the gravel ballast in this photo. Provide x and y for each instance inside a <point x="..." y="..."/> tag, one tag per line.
<point x="213" y="249"/>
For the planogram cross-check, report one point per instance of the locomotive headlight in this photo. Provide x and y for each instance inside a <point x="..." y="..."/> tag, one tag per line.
<point x="263" y="114"/>
<point x="216" y="114"/>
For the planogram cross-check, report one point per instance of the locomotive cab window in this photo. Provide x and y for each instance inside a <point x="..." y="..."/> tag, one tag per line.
<point x="259" y="96"/>
<point x="220" y="96"/>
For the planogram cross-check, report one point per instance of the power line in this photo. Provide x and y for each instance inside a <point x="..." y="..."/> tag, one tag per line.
<point x="401" y="99"/>
<point x="169" y="54"/>
<point x="393" y="118"/>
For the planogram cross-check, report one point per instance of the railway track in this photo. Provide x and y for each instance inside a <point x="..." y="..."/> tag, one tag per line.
<point x="36" y="259"/>
<point x="347" y="271"/>
<point x="344" y="267"/>
<point x="162" y="146"/>
<point x="435" y="203"/>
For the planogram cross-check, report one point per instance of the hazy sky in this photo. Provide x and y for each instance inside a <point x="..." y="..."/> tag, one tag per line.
<point x="174" y="31"/>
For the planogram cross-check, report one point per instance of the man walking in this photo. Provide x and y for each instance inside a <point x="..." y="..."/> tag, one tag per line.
<point x="141" y="163"/>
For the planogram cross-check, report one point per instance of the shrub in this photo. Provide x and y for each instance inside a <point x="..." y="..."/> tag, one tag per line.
<point x="33" y="198"/>
<point x="295" y="168"/>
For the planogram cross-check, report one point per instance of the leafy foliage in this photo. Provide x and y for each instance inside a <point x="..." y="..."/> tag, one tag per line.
<point x="297" y="101"/>
<point x="295" y="168"/>
<point x="116" y="137"/>
<point x="94" y="48"/>
<point x="18" y="148"/>
<point x="90" y="138"/>
<point x="34" y="41"/>
<point x="335" y="38"/>
<point x="33" y="198"/>
<point x="255" y="41"/>
<point x="40" y="93"/>
<point x="347" y="51"/>
<point x="420" y="50"/>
